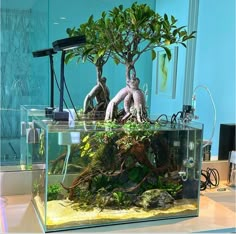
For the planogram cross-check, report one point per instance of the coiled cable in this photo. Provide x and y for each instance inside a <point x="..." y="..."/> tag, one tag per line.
<point x="162" y="121"/>
<point x="211" y="178"/>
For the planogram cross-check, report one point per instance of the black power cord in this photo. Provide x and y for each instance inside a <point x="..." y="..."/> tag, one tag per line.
<point x="162" y="121"/>
<point x="211" y="178"/>
<point x="57" y="83"/>
<point x="174" y="117"/>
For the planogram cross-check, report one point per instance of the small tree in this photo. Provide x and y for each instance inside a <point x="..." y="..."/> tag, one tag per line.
<point x="96" y="52"/>
<point x="132" y="32"/>
<point x="138" y="29"/>
<point x="125" y="34"/>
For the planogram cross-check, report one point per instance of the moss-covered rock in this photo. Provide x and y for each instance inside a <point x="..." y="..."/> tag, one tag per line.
<point x="155" y="198"/>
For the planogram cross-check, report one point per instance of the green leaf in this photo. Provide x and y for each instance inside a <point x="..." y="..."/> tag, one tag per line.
<point x="90" y="20"/>
<point x="173" y="20"/>
<point x="134" y="174"/>
<point x="168" y="52"/>
<point x="116" y="60"/>
<point x="153" y="54"/>
<point x="165" y="17"/>
<point x="87" y="146"/>
<point x="69" y="57"/>
<point x="85" y="138"/>
<point x="127" y="33"/>
<point x="101" y="52"/>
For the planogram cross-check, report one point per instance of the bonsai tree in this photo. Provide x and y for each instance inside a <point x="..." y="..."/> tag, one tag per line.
<point x="132" y="32"/>
<point x="96" y="52"/>
<point x="125" y="34"/>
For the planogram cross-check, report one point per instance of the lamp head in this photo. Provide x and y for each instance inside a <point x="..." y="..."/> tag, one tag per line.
<point x="44" y="52"/>
<point x="68" y="43"/>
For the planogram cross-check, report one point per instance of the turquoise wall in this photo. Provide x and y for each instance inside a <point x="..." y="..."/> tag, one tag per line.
<point x="24" y="26"/>
<point x="215" y="65"/>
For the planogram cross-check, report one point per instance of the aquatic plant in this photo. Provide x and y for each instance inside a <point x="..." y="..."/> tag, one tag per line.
<point x="119" y="154"/>
<point x="53" y="191"/>
<point x="100" y="182"/>
<point x="36" y="186"/>
<point x="42" y="144"/>
<point x="173" y="187"/>
<point x="84" y="199"/>
<point x="121" y="199"/>
<point x="75" y="165"/>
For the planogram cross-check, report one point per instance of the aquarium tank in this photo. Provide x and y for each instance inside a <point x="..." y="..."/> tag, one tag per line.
<point x="95" y="173"/>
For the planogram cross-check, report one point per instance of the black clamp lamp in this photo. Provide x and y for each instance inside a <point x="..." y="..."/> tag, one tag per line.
<point x="48" y="52"/>
<point x="64" y="45"/>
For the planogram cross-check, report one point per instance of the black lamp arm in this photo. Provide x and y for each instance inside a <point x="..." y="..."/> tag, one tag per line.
<point x="62" y="81"/>
<point x="51" y="82"/>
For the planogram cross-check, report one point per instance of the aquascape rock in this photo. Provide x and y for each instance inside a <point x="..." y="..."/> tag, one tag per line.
<point x="155" y="198"/>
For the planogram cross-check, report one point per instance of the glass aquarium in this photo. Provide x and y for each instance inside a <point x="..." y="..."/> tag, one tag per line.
<point x="29" y="135"/>
<point x="94" y="173"/>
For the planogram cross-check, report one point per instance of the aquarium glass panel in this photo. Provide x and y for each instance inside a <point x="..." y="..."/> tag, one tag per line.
<point x="95" y="173"/>
<point x="30" y="136"/>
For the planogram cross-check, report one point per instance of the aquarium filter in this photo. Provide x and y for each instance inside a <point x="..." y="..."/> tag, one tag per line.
<point x="32" y="134"/>
<point x="188" y="163"/>
<point x="23" y="128"/>
<point x="67" y="138"/>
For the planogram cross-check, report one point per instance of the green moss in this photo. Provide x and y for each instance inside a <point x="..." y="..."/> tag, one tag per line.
<point x="53" y="191"/>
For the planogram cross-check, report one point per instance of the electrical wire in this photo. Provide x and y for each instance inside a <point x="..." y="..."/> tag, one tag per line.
<point x="160" y="121"/>
<point x="65" y="165"/>
<point x="174" y="117"/>
<point x="213" y="104"/>
<point x="55" y="77"/>
<point x="67" y="90"/>
<point x="211" y="178"/>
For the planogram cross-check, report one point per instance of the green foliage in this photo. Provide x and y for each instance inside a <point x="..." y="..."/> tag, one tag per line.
<point x="85" y="199"/>
<point x="100" y="147"/>
<point x="108" y="132"/>
<point x="42" y="144"/>
<point x="135" y="132"/>
<point x="36" y="187"/>
<point x="170" y="187"/>
<point x="94" y="50"/>
<point x="104" y="134"/>
<point x="138" y="29"/>
<point x="85" y="147"/>
<point x="139" y="131"/>
<point x="121" y="199"/>
<point x="127" y="33"/>
<point x="136" y="174"/>
<point x="53" y="191"/>
<point x="100" y="181"/>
